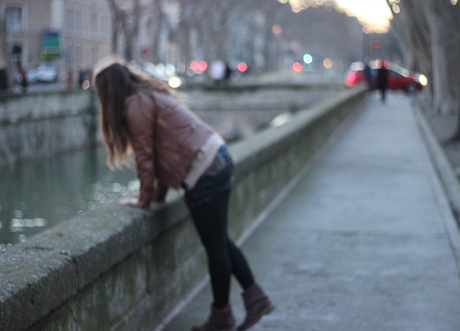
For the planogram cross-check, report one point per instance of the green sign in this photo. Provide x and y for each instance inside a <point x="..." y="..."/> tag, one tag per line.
<point x="50" y="46"/>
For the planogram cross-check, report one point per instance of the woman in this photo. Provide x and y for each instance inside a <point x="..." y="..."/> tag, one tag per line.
<point x="174" y="148"/>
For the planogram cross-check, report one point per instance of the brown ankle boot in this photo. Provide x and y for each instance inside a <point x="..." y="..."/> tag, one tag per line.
<point x="219" y="320"/>
<point x="257" y="303"/>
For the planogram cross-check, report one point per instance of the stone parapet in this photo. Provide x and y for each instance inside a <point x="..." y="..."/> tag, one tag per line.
<point x="36" y="125"/>
<point x="123" y="268"/>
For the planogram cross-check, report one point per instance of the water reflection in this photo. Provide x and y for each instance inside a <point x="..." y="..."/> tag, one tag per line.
<point x="39" y="194"/>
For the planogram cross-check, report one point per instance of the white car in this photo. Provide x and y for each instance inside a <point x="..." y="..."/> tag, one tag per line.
<point x="45" y="72"/>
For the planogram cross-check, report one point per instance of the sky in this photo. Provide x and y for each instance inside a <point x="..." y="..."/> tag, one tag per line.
<point x="374" y="14"/>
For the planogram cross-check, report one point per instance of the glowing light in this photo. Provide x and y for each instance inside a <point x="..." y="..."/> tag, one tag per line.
<point x="454" y="2"/>
<point x="281" y="119"/>
<point x="160" y="68"/>
<point x="307" y="58"/>
<point x="277" y="29"/>
<point x="423" y="80"/>
<point x="86" y="84"/>
<point x="374" y="14"/>
<point x="203" y="65"/>
<point x="194" y="65"/>
<point x="327" y="63"/>
<point x="396" y="9"/>
<point x="175" y="82"/>
<point x="297" y="67"/>
<point x="242" y="67"/>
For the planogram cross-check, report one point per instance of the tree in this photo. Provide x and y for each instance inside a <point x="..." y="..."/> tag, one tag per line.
<point x="414" y="36"/>
<point x="429" y="31"/>
<point x="125" y="20"/>
<point x="155" y="23"/>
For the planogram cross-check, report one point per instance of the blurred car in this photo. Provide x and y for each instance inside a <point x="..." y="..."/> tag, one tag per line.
<point x="45" y="72"/>
<point x="398" y="77"/>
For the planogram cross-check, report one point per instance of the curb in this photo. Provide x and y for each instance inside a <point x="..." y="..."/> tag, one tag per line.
<point x="446" y="187"/>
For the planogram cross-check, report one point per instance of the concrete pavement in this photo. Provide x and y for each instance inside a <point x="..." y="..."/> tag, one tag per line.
<point x="364" y="241"/>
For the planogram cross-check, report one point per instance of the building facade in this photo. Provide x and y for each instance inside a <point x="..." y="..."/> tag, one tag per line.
<point x="72" y="34"/>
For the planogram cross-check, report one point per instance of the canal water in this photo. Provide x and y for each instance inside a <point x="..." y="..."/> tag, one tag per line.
<point x="39" y="194"/>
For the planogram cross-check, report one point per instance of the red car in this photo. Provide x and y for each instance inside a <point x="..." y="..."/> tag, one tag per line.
<point x="398" y="77"/>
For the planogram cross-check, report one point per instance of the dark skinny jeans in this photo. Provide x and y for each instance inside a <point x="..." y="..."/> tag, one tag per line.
<point x="224" y="257"/>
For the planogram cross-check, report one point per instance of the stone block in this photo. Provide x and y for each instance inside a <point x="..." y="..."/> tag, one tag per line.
<point x="105" y="301"/>
<point x="33" y="282"/>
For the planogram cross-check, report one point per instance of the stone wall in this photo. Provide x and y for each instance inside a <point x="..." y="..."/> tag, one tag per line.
<point x="42" y="124"/>
<point x="122" y="268"/>
<point x="37" y="125"/>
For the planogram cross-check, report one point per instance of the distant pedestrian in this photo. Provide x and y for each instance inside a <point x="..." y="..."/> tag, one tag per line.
<point x="3" y="81"/>
<point x="174" y="148"/>
<point x="23" y="78"/>
<point x="217" y="71"/>
<point x="368" y="76"/>
<point x="69" y="80"/>
<point x="228" y="73"/>
<point x="382" y="80"/>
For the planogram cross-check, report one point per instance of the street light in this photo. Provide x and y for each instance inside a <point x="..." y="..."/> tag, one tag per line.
<point x="307" y="58"/>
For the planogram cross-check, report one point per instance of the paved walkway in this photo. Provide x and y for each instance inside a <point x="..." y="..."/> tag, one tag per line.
<point x="361" y="242"/>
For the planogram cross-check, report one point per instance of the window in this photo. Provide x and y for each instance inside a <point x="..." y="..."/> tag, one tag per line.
<point x="104" y="25"/>
<point x="93" y="23"/>
<point x="79" y="57"/>
<point x="69" y="56"/>
<point x="14" y="19"/>
<point x="78" y="20"/>
<point x="94" y="53"/>
<point x="69" y="19"/>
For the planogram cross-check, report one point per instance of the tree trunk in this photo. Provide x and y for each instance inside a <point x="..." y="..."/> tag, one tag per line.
<point x="131" y="29"/>
<point x="116" y="25"/>
<point x="156" y="30"/>
<point x="443" y="27"/>
<point x="412" y="30"/>
<point x="268" y="37"/>
<point x="183" y="36"/>
<point x="429" y="30"/>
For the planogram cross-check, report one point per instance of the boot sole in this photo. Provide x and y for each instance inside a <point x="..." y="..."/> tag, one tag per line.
<point x="266" y="311"/>
<point x="232" y="328"/>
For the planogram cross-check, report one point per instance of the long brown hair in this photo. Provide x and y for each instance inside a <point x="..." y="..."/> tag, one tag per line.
<point x="114" y="84"/>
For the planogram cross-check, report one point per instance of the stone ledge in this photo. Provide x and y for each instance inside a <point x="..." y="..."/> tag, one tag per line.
<point x="39" y="106"/>
<point x="56" y="266"/>
<point x="267" y="144"/>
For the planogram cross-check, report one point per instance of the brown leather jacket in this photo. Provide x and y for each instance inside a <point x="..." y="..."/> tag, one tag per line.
<point x="165" y="136"/>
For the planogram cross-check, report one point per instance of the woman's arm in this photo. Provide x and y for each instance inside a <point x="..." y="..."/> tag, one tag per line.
<point x="141" y="130"/>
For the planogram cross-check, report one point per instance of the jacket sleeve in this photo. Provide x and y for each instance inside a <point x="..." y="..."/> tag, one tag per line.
<point x="141" y="129"/>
